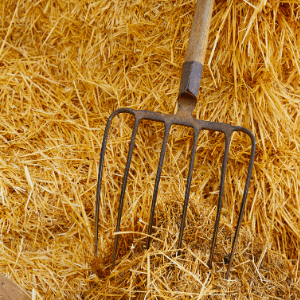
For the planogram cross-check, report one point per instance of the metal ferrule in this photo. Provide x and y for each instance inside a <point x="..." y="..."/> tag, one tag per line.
<point x="191" y="78"/>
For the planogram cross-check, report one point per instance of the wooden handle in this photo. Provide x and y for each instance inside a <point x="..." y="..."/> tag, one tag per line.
<point x="199" y="32"/>
<point x="194" y="59"/>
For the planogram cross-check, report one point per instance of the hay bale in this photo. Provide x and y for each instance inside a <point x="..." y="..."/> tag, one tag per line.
<point x="65" y="66"/>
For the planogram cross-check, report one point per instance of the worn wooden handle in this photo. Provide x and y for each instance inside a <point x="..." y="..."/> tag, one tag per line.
<point x="192" y="68"/>
<point x="199" y="32"/>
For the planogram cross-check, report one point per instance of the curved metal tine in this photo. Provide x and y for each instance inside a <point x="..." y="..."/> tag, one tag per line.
<point x="251" y="162"/>
<point x="104" y="142"/>
<point x="157" y="179"/>
<point x="223" y="172"/>
<point x="188" y="187"/>
<point x="135" y="128"/>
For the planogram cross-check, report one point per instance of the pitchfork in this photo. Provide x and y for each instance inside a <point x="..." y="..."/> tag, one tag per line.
<point x="187" y="98"/>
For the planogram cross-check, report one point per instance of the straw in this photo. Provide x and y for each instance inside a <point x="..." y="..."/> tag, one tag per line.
<point x="65" y="67"/>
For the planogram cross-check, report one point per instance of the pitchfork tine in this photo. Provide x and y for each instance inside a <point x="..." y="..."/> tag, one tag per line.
<point x="251" y="162"/>
<point x="99" y="182"/>
<point x="227" y="144"/>
<point x="157" y="179"/>
<point x="124" y="188"/>
<point x="188" y="187"/>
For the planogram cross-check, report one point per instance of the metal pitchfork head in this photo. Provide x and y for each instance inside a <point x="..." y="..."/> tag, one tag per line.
<point x="187" y="98"/>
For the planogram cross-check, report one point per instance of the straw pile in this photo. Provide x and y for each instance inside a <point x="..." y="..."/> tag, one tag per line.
<point x="65" y="66"/>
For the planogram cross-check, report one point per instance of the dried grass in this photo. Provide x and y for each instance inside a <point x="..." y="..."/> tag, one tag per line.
<point x="65" y="66"/>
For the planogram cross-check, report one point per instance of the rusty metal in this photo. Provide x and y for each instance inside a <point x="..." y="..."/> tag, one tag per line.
<point x="190" y="78"/>
<point x="189" y="87"/>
